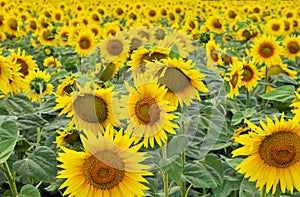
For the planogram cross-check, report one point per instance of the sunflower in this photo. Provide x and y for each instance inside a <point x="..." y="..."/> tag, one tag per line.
<point x="91" y="110"/>
<point x="16" y="83"/>
<point x="67" y="136"/>
<point x="51" y="62"/>
<point x="37" y="85"/>
<point x="275" y="27"/>
<point x="24" y="63"/>
<point x="106" y="71"/>
<point x="277" y="69"/>
<point x="149" y="113"/>
<point x="216" y="24"/>
<point x="140" y="56"/>
<point x="114" y="47"/>
<point x="213" y="57"/>
<point x="292" y="46"/>
<point x="182" y="80"/>
<point x="265" y="50"/>
<point x="85" y="42"/>
<point x="63" y="36"/>
<point x="251" y="75"/>
<point x="235" y="78"/>
<point x="109" y="166"/>
<point x="47" y="37"/>
<point x="12" y="25"/>
<point x="169" y="41"/>
<point x="5" y="75"/>
<point x="67" y="86"/>
<point x="273" y="154"/>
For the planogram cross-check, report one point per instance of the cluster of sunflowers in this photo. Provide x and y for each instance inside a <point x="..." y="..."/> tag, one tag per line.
<point x="124" y="80"/>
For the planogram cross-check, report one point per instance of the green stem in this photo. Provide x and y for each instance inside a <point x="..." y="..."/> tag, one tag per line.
<point x="248" y="100"/>
<point x="182" y="184"/>
<point x="188" y="190"/>
<point x="265" y="103"/>
<point x="165" y="175"/>
<point x="262" y="193"/>
<point x="10" y="179"/>
<point x="39" y="136"/>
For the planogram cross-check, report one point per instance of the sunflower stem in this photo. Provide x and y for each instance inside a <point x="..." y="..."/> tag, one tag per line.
<point x="265" y="103"/>
<point x="165" y="174"/>
<point x="188" y="190"/>
<point x="10" y="179"/>
<point x="262" y="193"/>
<point x="248" y="100"/>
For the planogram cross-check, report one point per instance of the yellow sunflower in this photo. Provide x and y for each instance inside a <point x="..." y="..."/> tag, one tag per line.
<point x="265" y="50"/>
<point x="67" y="136"/>
<point x="212" y="56"/>
<point x="114" y="47"/>
<point x="110" y="166"/>
<point x="5" y="75"/>
<point x="63" y="36"/>
<point x="37" y="85"/>
<point x="91" y="110"/>
<point x="291" y="47"/>
<point x="12" y="25"/>
<point x="85" y="42"/>
<point x="67" y="86"/>
<point x="25" y="63"/>
<point x="273" y="154"/>
<point x="275" y="27"/>
<point x="140" y="56"/>
<point x="235" y="78"/>
<point x="47" y="37"/>
<point x="279" y="68"/>
<point x="251" y="75"/>
<point x="216" y="24"/>
<point x="182" y="80"/>
<point x="106" y="71"/>
<point x="51" y="62"/>
<point x="147" y="112"/>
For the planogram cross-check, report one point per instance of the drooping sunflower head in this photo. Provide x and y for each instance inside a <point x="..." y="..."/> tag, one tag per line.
<point x="67" y="136"/>
<point x="110" y="166"/>
<point x="147" y="113"/>
<point x="274" y="147"/>
<point x="181" y="79"/>
<point x="67" y="86"/>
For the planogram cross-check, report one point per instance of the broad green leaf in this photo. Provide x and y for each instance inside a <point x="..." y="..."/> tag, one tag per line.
<point x="282" y="94"/>
<point x="239" y="116"/>
<point x="40" y="165"/>
<point x="173" y="168"/>
<point x="205" y="174"/>
<point x="29" y="191"/>
<point x="178" y="144"/>
<point x="283" y="78"/>
<point x="18" y="104"/>
<point x="8" y="139"/>
<point x="174" y="53"/>
<point x="30" y="121"/>
<point x="248" y="189"/>
<point x="59" y="75"/>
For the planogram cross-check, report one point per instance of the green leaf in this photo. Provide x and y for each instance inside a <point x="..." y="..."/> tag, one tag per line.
<point x="284" y="78"/>
<point x="239" y="116"/>
<point x="205" y="174"/>
<point x="40" y="165"/>
<point x="282" y="94"/>
<point x="174" y="53"/>
<point x="18" y="104"/>
<point x="173" y="167"/>
<point x="59" y="75"/>
<point x="8" y="139"/>
<point x="177" y="145"/>
<point x="29" y="191"/>
<point x="248" y="189"/>
<point x="30" y="121"/>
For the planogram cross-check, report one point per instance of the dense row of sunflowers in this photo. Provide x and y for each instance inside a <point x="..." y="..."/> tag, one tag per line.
<point x="149" y="98"/>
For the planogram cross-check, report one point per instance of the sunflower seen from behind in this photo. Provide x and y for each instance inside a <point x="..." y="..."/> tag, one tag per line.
<point x="180" y="77"/>
<point x="147" y="113"/>
<point x="109" y="166"/>
<point x="272" y="154"/>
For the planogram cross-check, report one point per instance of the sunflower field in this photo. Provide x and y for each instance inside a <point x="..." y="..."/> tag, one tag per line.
<point x="149" y="98"/>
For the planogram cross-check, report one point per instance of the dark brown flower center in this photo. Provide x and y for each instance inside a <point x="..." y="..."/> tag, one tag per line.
<point x="13" y="24"/>
<point x="234" y="79"/>
<point x="84" y="42"/>
<point x="216" y="24"/>
<point x="24" y="67"/>
<point x="114" y="47"/>
<point x="147" y="110"/>
<point x="248" y="73"/>
<point x="175" y="80"/>
<point x="47" y="35"/>
<point x="266" y="50"/>
<point x="275" y="27"/>
<point x="104" y="170"/>
<point x="293" y="47"/>
<point x="281" y="149"/>
<point x="90" y="108"/>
